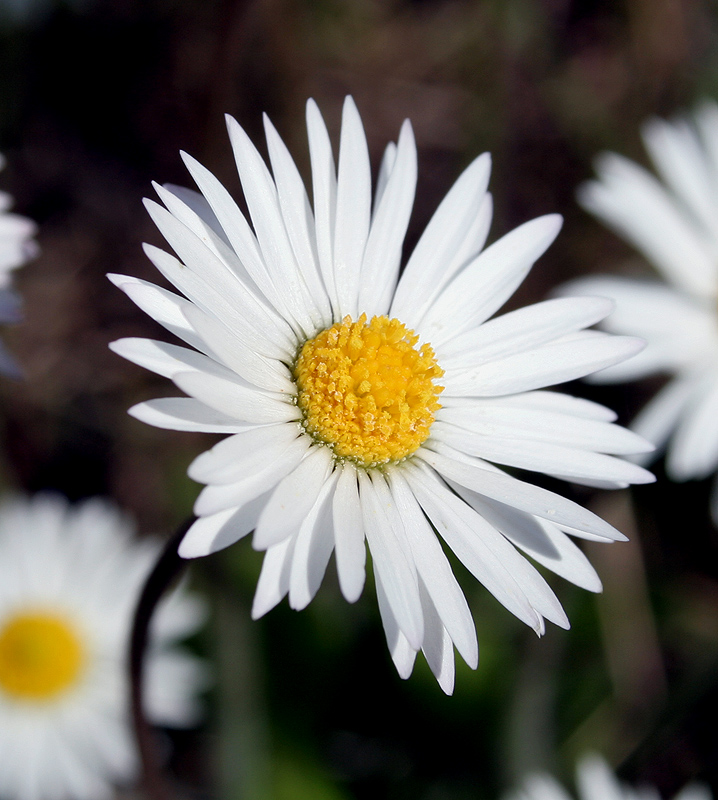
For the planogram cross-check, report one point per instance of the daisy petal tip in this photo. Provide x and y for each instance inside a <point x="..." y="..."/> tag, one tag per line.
<point x="117" y="279"/>
<point x="192" y="547"/>
<point x="446" y="684"/>
<point x="261" y="606"/>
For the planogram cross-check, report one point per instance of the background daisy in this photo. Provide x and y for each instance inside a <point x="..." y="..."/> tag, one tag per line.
<point x="71" y="577"/>
<point x="596" y="781"/>
<point x="673" y="224"/>
<point x="16" y="247"/>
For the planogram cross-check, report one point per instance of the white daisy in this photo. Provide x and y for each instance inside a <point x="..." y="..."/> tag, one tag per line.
<point x="360" y="405"/>
<point x="70" y="578"/>
<point x="16" y="248"/>
<point x="596" y="781"/>
<point x="674" y="225"/>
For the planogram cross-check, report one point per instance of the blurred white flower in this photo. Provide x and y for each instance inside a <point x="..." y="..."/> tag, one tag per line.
<point x="16" y="248"/>
<point x="674" y="225"/>
<point x="359" y="405"/>
<point x="596" y="781"/>
<point x="69" y="581"/>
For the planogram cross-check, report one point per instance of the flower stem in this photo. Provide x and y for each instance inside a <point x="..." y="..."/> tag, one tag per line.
<point x="166" y="570"/>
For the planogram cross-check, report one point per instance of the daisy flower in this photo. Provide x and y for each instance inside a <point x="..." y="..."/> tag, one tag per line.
<point x="364" y="408"/>
<point x="596" y="781"/>
<point x="70" y="580"/>
<point x="16" y="247"/>
<point x="672" y="222"/>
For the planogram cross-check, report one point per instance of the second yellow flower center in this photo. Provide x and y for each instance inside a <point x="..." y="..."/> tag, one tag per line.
<point x="366" y="390"/>
<point x="40" y="656"/>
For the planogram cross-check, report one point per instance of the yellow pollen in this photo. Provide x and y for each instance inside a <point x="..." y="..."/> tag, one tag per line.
<point x="367" y="391"/>
<point x="40" y="656"/>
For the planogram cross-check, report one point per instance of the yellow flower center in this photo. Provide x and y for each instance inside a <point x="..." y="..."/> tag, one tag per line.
<point x="40" y="656"/>
<point x="367" y="391"/>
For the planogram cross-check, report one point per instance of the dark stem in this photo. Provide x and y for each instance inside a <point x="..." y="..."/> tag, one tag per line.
<point x="167" y="568"/>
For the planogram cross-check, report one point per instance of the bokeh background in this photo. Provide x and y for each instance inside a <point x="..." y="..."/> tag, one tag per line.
<point x="96" y="99"/>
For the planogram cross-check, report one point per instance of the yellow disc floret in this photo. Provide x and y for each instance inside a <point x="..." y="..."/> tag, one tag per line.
<point x="40" y="656"/>
<point x="366" y="390"/>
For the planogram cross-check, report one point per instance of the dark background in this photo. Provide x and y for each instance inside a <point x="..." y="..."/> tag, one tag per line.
<point x="96" y="100"/>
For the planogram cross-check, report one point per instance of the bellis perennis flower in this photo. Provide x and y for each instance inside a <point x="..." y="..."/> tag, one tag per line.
<point x="597" y="782"/>
<point x="70" y="579"/>
<point x="674" y="226"/>
<point x="16" y="247"/>
<point x="364" y="407"/>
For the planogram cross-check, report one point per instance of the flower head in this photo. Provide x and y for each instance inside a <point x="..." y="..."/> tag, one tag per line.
<point x="364" y="407"/>
<point x="673" y="223"/>
<point x="71" y="578"/>
<point x="597" y="782"/>
<point x="16" y="247"/>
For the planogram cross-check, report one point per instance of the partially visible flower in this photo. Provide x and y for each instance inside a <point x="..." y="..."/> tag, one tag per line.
<point x="69" y="581"/>
<point x="674" y="223"/>
<point x="16" y="247"/>
<point x="363" y="406"/>
<point x="596" y="781"/>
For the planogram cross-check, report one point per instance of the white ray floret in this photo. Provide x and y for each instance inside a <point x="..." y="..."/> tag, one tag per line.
<point x="364" y="408"/>
<point x="673" y="224"/>
<point x="70" y="583"/>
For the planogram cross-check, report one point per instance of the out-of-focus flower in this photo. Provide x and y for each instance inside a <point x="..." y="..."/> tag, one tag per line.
<point x="673" y="223"/>
<point x="363" y="406"/>
<point x="16" y="248"/>
<point x="70" y="579"/>
<point x="596" y="781"/>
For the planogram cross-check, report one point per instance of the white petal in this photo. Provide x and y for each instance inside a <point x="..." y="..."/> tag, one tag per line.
<point x="353" y="210"/>
<point x="437" y="646"/>
<point x="435" y="572"/>
<point x="184" y="414"/>
<point x="693" y="452"/>
<point x="165" y="359"/>
<point x="524" y="329"/>
<point x="163" y="306"/>
<point x="387" y="164"/>
<point x="541" y="456"/>
<point x="349" y="534"/>
<point x="298" y="218"/>
<point x="273" y="583"/>
<point x="263" y="203"/>
<point x="240" y="353"/>
<point x="402" y="653"/>
<point x="559" y="403"/>
<point x="632" y="202"/>
<point x="205" y="226"/>
<point x="217" y="497"/>
<point x="244" y="454"/>
<point x="217" y="531"/>
<point x="313" y="548"/>
<point x="427" y="271"/>
<point x="543" y="541"/>
<point x="677" y="153"/>
<point x="235" y="307"/>
<point x="293" y="499"/>
<point x="484" y="286"/>
<point x="497" y="485"/>
<point x="558" y="362"/>
<point x="324" y="186"/>
<point x="394" y="566"/>
<point x="229" y="397"/>
<point x="660" y="415"/>
<point x="485" y="553"/>
<point x="382" y="256"/>
<point x="503" y="420"/>
<point x="237" y="230"/>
